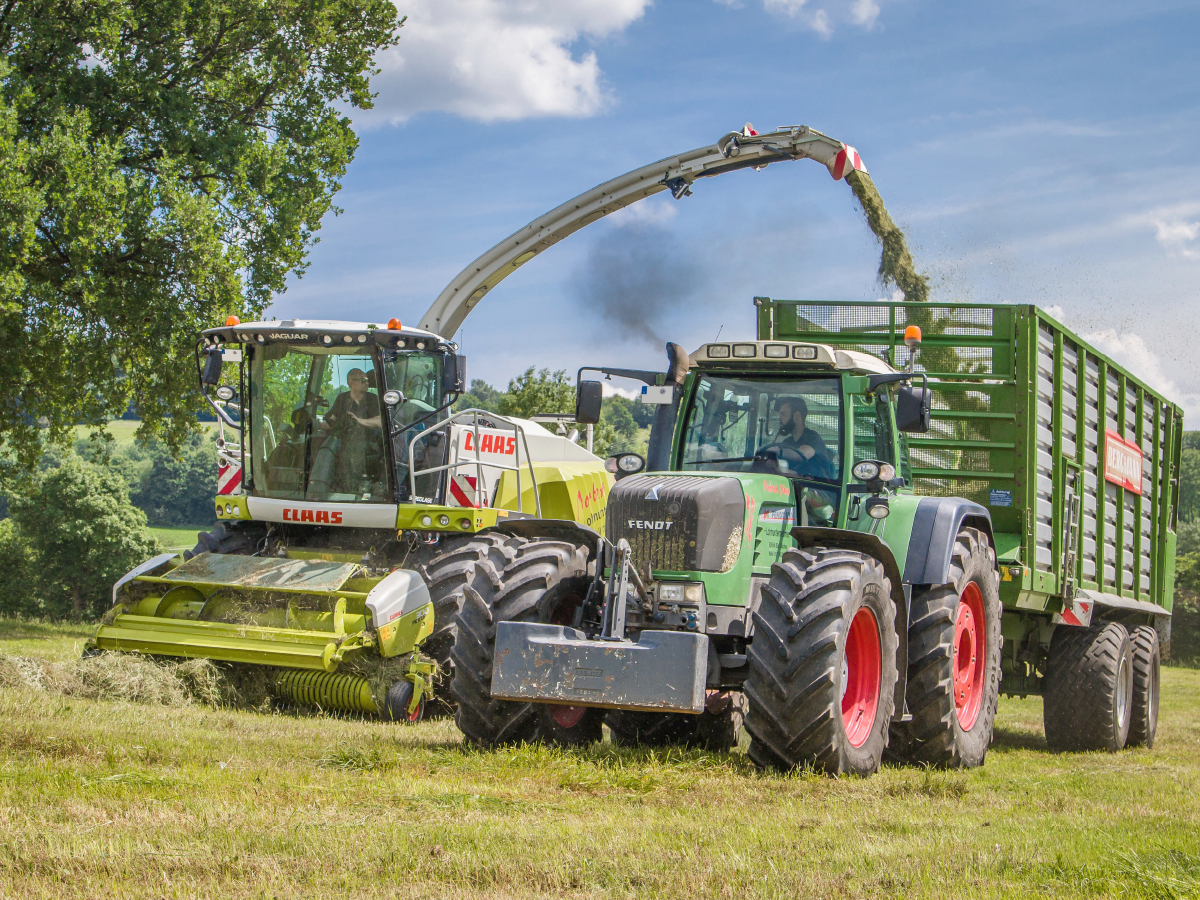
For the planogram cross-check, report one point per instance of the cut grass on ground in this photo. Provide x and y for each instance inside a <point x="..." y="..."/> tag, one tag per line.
<point x="127" y="800"/>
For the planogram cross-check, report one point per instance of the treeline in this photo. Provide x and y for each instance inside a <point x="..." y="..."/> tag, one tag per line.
<point x="1185" y="627"/>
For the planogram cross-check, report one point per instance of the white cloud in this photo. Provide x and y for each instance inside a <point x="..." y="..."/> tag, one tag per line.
<point x="822" y="19"/>
<point x="1131" y="351"/>
<point x="499" y="59"/>
<point x="654" y="211"/>
<point x="1178" y="236"/>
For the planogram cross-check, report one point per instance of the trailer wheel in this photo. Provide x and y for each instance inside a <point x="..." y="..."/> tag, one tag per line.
<point x="546" y="580"/>
<point x="1143" y="722"/>
<point x="822" y="663"/>
<point x="1088" y="700"/>
<point x="954" y="662"/>
<point x="228" y="538"/>
<point x="476" y="561"/>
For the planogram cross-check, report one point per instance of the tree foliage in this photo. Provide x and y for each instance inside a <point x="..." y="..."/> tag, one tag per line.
<point x="81" y="534"/>
<point x="1189" y="485"/>
<point x="164" y="164"/>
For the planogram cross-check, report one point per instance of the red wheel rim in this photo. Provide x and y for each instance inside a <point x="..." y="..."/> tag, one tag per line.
<point x="970" y="655"/>
<point x="415" y="716"/>
<point x="567" y="716"/>
<point x="862" y="663"/>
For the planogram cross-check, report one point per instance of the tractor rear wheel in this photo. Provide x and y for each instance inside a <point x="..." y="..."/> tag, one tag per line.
<point x="1088" y="700"/>
<point x="822" y="680"/>
<point x="1146" y="659"/>
<point x="954" y="662"/>
<point x="546" y="581"/>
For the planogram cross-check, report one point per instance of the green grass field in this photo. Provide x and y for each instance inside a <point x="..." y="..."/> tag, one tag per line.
<point x="182" y="537"/>
<point x="124" y="431"/>
<point x="120" y="800"/>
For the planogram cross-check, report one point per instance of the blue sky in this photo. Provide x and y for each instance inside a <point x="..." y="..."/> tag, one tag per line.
<point x="1033" y="152"/>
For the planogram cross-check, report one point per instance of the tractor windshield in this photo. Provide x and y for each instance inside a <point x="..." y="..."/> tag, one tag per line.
<point x="315" y="425"/>
<point x="789" y="428"/>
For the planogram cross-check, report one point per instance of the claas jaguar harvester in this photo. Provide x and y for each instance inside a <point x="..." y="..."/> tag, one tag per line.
<point x="840" y="541"/>
<point x="352" y="509"/>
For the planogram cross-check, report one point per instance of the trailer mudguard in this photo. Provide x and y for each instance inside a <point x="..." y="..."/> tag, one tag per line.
<point x="1129" y="610"/>
<point x="935" y="527"/>
<point x="811" y="536"/>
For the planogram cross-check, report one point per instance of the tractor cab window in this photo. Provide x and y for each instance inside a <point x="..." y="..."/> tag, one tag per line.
<point x="418" y="379"/>
<point x="316" y="426"/>
<point x="788" y="428"/>
<point x="873" y="433"/>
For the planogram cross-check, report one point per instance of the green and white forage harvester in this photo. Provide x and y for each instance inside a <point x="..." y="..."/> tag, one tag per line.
<point x="352" y="507"/>
<point x="851" y="534"/>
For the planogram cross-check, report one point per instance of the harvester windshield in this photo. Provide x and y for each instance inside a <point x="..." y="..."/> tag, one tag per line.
<point x="318" y="419"/>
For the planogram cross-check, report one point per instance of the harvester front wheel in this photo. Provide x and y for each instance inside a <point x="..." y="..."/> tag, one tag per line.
<point x="1146" y="659"/>
<point x="545" y="582"/>
<point x="1088" y="701"/>
<point x="822" y="663"/>
<point x="397" y="702"/>
<point x="954" y="662"/>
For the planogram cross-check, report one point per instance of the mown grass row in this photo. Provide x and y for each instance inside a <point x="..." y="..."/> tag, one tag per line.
<point x="129" y="800"/>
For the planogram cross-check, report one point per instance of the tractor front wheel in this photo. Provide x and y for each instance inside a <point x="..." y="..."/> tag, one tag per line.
<point x="545" y="582"/>
<point x="822" y="680"/>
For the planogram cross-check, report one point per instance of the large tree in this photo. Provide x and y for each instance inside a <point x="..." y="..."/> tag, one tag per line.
<point x="162" y="165"/>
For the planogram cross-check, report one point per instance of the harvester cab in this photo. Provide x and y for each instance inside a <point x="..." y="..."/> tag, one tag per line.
<point x="351" y="504"/>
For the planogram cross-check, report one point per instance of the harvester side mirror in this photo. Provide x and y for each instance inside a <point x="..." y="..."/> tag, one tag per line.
<point x="588" y="398"/>
<point x="913" y="408"/>
<point x="212" y="367"/>
<point x="454" y="375"/>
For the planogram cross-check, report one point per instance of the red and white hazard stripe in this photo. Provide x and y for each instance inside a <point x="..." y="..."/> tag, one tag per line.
<point x="229" y="476"/>
<point x="846" y="161"/>
<point x="464" y="492"/>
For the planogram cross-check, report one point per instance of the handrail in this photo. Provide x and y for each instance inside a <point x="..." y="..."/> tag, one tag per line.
<point x="474" y="414"/>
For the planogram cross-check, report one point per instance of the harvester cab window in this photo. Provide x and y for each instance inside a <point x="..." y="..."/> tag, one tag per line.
<point x="418" y="378"/>
<point x="316" y="427"/>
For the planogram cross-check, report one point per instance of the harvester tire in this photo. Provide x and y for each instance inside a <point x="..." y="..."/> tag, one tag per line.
<point x="1147" y="657"/>
<point x="822" y="663"/>
<point x="954" y="662"/>
<point x="476" y="562"/>
<point x="1089" y="687"/>
<point x="545" y="582"/>
<point x="230" y="538"/>
<point x="396" y="703"/>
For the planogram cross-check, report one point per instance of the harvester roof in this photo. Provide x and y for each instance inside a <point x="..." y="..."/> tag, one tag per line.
<point x="327" y="332"/>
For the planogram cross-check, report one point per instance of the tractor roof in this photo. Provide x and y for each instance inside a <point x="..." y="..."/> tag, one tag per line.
<point x="788" y="353"/>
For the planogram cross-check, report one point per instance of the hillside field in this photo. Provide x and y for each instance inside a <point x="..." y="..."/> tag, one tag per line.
<point x="123" y="800"/>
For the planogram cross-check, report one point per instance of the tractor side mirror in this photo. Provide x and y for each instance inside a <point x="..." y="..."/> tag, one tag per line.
<point x="454" y="375"/>
<point x="913" y="408"/>
<point x="588" y="398"/>
<point x="212" y="368"/>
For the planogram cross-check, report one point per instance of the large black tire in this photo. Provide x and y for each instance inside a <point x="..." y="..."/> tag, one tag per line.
<point x="231" y="538"/>
<point x="1147" y="656"/>
<point x="545" y="582"/>
<point x="717" y="729"/>
<point x="952" y="715"/>
<point x="1087" y="702"/>
<point x="799" y="668"/>
<point x="476" y="562"/>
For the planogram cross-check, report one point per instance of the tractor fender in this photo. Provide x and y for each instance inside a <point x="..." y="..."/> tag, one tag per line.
<point x="561" y="529"/>
<point x="934" y="530"/>
<point x="811" y="536"/>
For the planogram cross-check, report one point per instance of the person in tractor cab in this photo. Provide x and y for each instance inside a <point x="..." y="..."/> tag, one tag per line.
<point x="355" y="417"/>
<point x="807" y="443"/>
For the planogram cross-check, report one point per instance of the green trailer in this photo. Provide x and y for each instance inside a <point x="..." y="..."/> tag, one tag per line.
<point x="852" y="549"/>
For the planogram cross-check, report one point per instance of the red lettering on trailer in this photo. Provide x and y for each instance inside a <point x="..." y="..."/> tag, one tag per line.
<point x="1122" y="462"/>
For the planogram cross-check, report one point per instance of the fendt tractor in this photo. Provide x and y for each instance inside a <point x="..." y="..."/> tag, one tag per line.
<point x="352" y="509"/>
<point x="856" y="558"/>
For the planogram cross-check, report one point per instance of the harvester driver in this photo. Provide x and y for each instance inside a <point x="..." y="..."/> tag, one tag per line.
<point x="354" y="416"/>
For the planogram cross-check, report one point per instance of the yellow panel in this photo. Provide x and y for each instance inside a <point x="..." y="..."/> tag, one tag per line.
<point x="569" y="490"/>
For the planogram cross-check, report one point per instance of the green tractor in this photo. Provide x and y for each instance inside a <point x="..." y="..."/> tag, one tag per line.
<point x="353" y="508"/>
<point x="846" y="558"/>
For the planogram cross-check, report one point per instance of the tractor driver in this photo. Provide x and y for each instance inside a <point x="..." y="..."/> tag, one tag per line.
<point x="807" y="443"/>
<point x="355" y="417"/>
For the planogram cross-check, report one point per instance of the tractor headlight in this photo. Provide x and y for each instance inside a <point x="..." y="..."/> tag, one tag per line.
<point x="867" y="470"/>
<point x="224" y="392"/>
<point x="776" y="351"/>
<point x="391" y="398"/>
<point x="804" y="353"/>
<point x="744" y="351"/>
<point x="877" y="508"/>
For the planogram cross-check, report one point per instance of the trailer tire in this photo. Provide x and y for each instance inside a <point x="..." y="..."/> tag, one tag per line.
<point x="822" y="663"/>
<point x="474" y="562"/>
<point x="546" y="580"/>
<point x="228" y="538"/>
<point x="1089" y="686"/>
<point x="953" y="688"/>
<point x="1147" y="657"/>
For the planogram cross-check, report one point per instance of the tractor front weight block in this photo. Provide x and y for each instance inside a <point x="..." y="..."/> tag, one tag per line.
<point x="663" y="671"/>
